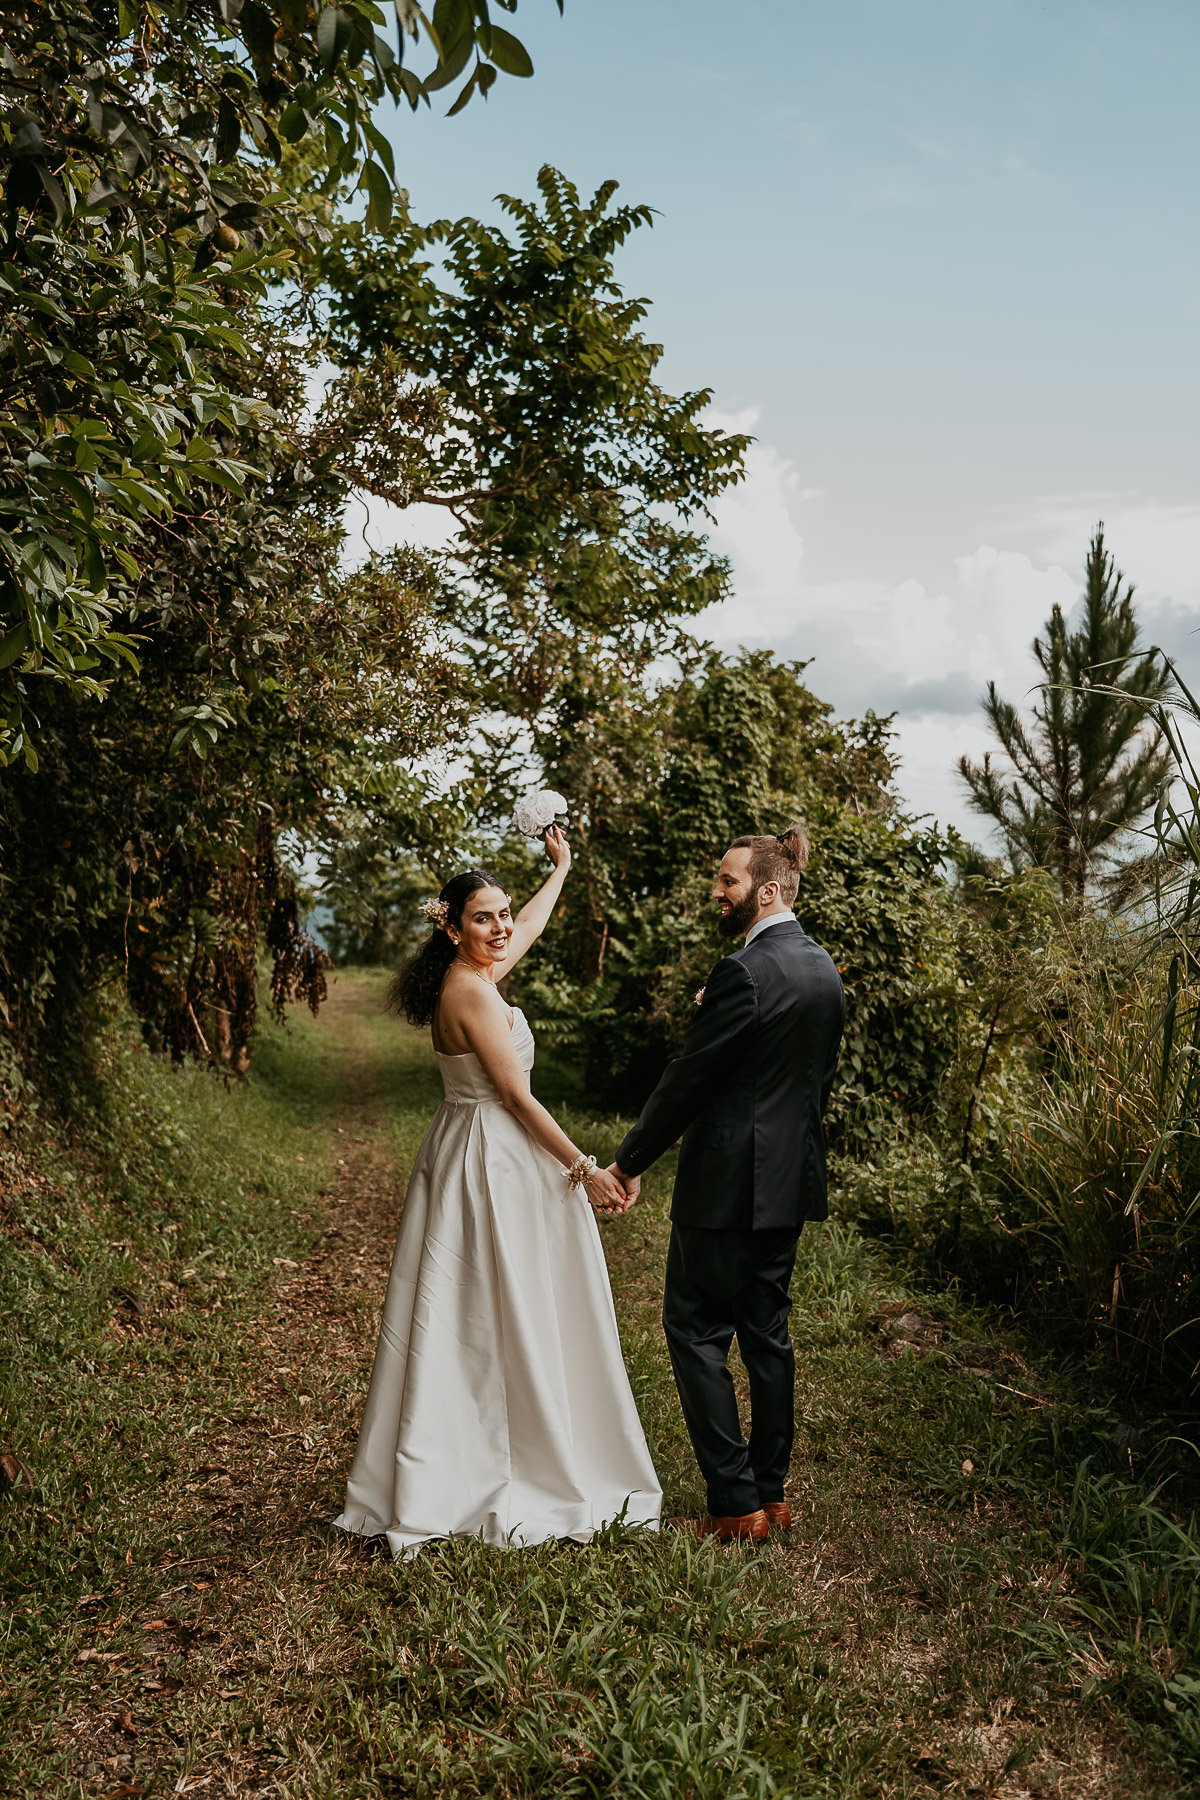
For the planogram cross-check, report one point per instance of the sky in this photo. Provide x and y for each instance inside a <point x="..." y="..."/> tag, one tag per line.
<point x="942" y="258"/>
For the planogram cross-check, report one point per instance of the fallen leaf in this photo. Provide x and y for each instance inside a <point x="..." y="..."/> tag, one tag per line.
<point x="100" y="1656"/>
<point x="125" y="1723"/>
<point x="968" y="1467"/>
<point x="154" y="1686"/>
<point x="231" y="1693"/>
<point x="15" y="1477"/>
<point x="127" y="1790"/>
<point x="158" y="1625"/>
<point x="129" y="1559"/>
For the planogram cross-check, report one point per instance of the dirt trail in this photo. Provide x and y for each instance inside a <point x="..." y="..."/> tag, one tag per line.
<point x="243" y="1595"/>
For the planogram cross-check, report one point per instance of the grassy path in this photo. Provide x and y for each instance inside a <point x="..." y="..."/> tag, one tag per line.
<point x="192" y="1302"/>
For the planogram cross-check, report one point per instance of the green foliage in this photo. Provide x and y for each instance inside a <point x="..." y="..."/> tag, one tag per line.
<point x="145" y="217"/>
<point x="520" y="396"/>
<point x="660" y="781"/>
<point x="660" y="778"/>
<point x="1108" y="1163"/>
<point x="145" y="842"/>
<point x="1093" y="765"/>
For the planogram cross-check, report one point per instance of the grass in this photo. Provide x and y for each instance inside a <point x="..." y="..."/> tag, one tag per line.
<point x="991" y="1588"/>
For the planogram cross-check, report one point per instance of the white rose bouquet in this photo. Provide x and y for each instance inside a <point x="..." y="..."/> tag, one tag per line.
<point x="538" y="812"/>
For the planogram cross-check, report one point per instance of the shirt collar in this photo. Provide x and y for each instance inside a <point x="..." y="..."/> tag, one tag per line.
<point x="786" y="918"/>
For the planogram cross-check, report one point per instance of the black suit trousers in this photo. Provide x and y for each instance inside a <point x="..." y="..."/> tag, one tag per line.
<point x="722" y="1284"/>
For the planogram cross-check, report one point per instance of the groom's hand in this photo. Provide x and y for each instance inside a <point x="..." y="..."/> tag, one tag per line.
<point x="606" y="1194"/>
<point x="632" y="1185"/>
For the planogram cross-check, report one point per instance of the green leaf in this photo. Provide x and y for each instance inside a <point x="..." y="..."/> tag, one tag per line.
<point x="379" y="190"/>
<point x="78" y="365"/>
<point x="506" y="51"/>
<point x="229" y="131"/>
<point x="26" y="139"/>
<point x="93" y="562"/>
<point x="258" y="34"/>
<point x="382" y="148"/>
<point x="466" y="93"/>
<point x="452" y="64"/>
<point x="334" y="32"/>
<point x="78" y="492"/>
<point x="217" y="472"/>
<point x="14" y="644"/>
<point x="293" y="122"/>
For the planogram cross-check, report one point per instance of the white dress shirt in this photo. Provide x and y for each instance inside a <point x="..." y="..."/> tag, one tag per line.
<point x="766" y="924"/>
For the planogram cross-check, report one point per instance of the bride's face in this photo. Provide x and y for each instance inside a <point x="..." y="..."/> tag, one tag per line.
<point x="486" y="926"/>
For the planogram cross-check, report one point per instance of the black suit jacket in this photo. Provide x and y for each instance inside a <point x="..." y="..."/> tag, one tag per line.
<point x="748" y="1090"/>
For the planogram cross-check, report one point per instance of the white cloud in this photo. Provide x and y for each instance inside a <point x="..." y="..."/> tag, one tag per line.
<point x="1158" y="547"/>
<point x="924" y="654"/>
<point x="927" y="655"/>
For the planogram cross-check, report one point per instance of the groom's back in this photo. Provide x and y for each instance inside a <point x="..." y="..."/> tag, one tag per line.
<point x="754" y="1156"/>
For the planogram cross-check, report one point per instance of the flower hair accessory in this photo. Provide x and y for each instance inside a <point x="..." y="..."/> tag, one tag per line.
<point x="437" y="912"/>
<point x="538" y="812"/>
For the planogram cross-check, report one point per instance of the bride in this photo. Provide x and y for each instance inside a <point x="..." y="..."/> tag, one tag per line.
<point x="499" y="1403"/>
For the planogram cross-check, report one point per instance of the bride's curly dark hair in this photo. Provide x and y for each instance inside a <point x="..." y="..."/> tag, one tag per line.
<point x="416" y="985"/>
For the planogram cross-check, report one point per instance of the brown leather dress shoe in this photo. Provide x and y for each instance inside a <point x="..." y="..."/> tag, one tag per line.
<point x="735" y="1528"/>
<point x="778" y="1516"/>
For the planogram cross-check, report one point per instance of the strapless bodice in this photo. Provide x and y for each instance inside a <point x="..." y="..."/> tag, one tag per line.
<point x="464" y="1078"/>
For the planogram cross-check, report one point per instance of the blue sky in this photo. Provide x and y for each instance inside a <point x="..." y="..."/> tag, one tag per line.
<point x="946" y="260"/>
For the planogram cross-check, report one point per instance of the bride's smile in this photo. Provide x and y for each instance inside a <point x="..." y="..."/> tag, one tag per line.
<point x="487" y="929"/>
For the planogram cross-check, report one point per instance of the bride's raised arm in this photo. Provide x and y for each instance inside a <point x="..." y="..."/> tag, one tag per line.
<point x="534" y="916"/>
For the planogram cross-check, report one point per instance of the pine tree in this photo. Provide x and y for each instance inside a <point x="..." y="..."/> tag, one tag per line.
<point x="1091" y="763"/>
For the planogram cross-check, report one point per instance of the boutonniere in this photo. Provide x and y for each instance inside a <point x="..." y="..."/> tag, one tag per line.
<point x="699" y="996"/>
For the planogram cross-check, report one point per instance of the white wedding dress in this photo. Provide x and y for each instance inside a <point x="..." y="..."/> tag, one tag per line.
<point x="499" y="1403"/>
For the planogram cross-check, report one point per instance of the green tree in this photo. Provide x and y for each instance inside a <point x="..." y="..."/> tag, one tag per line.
<point x="145" y="840"/>
<point x="520" y="396"/>
<point x="1092" y="763"/>
<point x="661" y="777"/>
<point x="145" y="216"/>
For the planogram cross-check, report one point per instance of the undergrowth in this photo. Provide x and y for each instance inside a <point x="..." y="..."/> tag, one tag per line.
<point x="991" y="1587"/>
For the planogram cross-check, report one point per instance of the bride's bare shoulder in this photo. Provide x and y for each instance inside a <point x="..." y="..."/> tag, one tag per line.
<point x="463" y="998"/>
<point x="463" y="994"/>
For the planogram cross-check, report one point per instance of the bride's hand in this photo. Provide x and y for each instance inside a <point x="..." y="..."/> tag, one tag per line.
<point x="605" y="1192"/>
<point x="558" y="849"/>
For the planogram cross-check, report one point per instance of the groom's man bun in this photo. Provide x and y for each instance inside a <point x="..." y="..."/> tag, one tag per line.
<point x="777" y="859"/>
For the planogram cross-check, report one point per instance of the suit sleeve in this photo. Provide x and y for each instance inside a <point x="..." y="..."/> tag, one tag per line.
<point x="831" y="1059"/>
<point x="727" y="1015"/>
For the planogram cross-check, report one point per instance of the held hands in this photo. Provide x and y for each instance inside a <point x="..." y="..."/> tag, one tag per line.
<point x="620" y="1192"/>
<point x="558" y="849"/>
<point x="605" y="1193"/>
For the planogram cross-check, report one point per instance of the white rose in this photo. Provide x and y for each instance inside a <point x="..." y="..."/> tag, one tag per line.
<point x="537" y="812"/>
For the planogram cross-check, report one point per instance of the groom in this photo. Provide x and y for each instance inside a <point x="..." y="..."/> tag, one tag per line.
<point x="747" y="1093"/>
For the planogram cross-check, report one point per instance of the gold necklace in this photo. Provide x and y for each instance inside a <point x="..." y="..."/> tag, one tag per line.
<point x="468" y="964"/>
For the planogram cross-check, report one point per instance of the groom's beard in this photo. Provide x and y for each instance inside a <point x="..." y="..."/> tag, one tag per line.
<point x="738" y="920"/>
